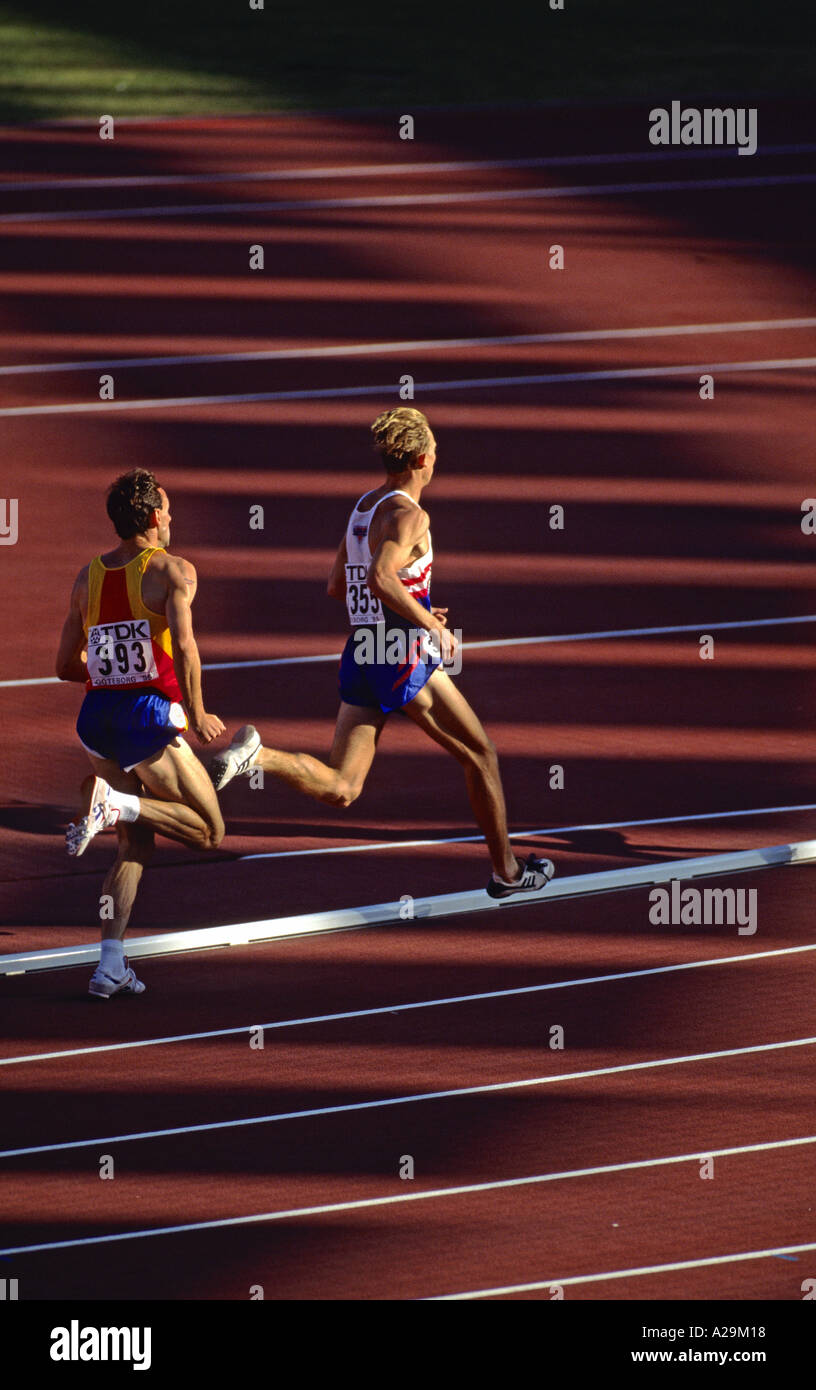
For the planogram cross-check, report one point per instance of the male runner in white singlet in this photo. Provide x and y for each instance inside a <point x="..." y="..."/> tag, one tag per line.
<point x="382" y="571"/>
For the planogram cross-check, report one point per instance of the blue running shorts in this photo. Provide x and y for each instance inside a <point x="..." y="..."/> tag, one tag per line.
<point x="387" y="685"/>
<point x="128" y="726"/>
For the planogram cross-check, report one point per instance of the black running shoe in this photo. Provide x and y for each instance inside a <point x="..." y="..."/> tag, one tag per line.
<point x="535" y="875"/>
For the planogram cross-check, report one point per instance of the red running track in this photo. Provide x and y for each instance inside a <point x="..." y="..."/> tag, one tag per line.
<point x="677" y="511"/>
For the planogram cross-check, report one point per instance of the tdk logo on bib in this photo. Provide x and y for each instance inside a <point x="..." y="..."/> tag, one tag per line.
<point x="138" y="629"/>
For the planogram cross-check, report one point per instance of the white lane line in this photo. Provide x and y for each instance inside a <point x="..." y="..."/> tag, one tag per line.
<point x="387" y="389"/>
<point x="372" y="845"/>
<point x="478" y="646"/>
<point x="517" y="834"/>
<point x="776" y="1250"/>
<point x="464" y="1190"/>
<point x="414" y="345"/>
<point x="454" y="1094"/>
<point x="406" y="1008"/>
<point x="401" y="200"/>
<point x="358" y="171"/>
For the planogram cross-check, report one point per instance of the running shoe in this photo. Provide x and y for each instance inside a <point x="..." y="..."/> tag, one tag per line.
<point x="239" y="758"/>
<point x="534" y="875"/>
<point x="99" y="815"/>
<point x="104" y="986"/>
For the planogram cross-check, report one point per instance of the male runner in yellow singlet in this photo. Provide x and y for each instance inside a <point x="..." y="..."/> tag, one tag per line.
<point x="129" y="637"/>
<point x="382" y="571"/>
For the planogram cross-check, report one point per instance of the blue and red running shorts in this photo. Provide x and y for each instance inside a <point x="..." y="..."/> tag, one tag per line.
<point x="387" y="685"/>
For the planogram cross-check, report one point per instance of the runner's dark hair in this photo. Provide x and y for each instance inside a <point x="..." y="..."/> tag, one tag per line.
<point x="131" y="501"/>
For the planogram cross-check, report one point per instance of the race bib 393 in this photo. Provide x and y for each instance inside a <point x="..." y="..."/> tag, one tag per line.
<point x="121" y="653"/>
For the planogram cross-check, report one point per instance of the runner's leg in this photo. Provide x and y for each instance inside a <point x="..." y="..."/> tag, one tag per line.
<point x="442" y="712"/>
<point x="340" y="781"/>
<point x="135" y="849"/>
<point x="184" y="805"/>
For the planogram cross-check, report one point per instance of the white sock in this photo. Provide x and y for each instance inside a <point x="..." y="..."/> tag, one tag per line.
<point x="112" y="958"/>
<point x="126" y="804"/>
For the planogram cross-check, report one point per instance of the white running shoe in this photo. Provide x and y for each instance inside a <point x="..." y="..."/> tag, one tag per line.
<point x="534" y="875"/>
<point x="103" y="985"/>
<point x="239" y="758"/>
<point x="99" y="815"/>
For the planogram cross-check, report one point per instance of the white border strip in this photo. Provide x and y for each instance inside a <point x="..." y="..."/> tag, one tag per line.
<point x="362" y="171"/>
<point x="406" y="1008"/>
<point x="478" y="646"/>
<point x="442" y="905"/>
<point x="777" y="1250"/>
<point x="387" y="389"/>
<point x="462" y="1191"/>
<point x="341" y="350"/>
<point x="402" y="200"/>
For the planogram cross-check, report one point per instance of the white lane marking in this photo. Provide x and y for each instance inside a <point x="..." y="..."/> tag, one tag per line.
<point x="352" y="171"/>
<point x="477" y="646"/>
<point x="413" y="345"/>
<point x="454" y="1094"/>
<point x="401" y="200"/>
<point x="464" y="1190"/>
<point x="775" y="1250"/>
<point x="405" y="1008"/>
<point x="527" y="834"/>
<point x="774" y="364"/>
<point x="518" y="834"/>
<point x="373" y="845"/>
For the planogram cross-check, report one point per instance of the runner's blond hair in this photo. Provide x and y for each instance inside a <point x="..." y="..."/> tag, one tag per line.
<point x="400" y="436"/>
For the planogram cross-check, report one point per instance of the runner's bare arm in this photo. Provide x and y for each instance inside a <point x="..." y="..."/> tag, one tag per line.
<point x="181" y="586"/>
<point x="336" y="587"/>
<point x="189" y="575"/>
<point x="400" y="532"/>
<point x="70" y="663"/>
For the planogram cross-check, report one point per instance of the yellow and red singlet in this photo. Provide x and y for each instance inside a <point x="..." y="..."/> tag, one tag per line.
<point x="129" y="646"/>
